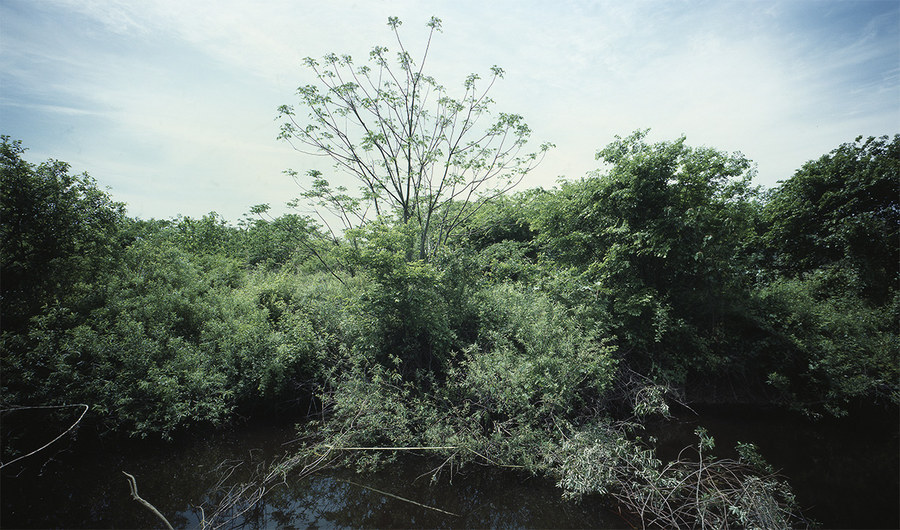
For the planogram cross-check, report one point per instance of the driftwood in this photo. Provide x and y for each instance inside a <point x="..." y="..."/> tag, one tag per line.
<point x="132" y="485"/>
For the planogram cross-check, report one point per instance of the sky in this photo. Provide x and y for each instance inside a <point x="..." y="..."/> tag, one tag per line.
<point x="172" y="104"/>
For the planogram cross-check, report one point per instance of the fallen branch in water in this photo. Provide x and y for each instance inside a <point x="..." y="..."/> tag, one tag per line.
<point x="422" y="448"/>
<point x="132" y="485"/>
<point x="48" y="444"/>
<point x="399" y="498"/>
<point x="242" y="498"/>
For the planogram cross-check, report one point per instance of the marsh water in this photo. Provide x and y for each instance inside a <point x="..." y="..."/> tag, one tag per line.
<point x="82" y="486"/>
<point x="846" y="473"/>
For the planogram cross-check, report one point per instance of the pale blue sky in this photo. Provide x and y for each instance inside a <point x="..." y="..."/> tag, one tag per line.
<point x="172" y="103"/>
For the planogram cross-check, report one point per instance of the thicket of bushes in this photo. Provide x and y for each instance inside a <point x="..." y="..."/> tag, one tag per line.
<point x="549" y="320"/>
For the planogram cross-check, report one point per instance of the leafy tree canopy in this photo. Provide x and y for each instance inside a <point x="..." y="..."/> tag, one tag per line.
<point x="842" y="211"/>
<point x="430" y="159"/>
<point x="658" y="238"/>
<point x="58" y="229"/>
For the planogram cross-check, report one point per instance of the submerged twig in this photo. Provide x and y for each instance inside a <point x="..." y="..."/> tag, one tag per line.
<point x="400" y="498"/>
<point x="241" y="498"/>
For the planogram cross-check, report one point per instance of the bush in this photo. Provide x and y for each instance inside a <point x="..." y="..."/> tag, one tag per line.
<point x="58" y="230"/>
<point x="532" y="358"/>
<point x="704" y="493"/>
<point x="167" y="341"/>
<point x="835" y="348"/>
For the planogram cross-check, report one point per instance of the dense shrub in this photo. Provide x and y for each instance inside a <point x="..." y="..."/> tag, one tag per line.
<point x="533" y="358"/>
<point x="169" y="340"/>
<point x="834" y="348"/>
<point x="841" y="211"/>
<point x="58" y="231"/>
<point x="658" y="241"/>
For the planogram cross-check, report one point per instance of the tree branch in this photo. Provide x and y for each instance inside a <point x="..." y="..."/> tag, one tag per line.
<point x="132" y="485"/>
<point x="48" y="444"/>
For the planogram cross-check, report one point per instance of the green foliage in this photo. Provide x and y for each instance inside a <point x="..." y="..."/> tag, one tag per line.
<point x="706" y="493"/>
<point x="833" y="347"/>
<point x="371" y="406"/>
<point x="500" y="234"/>
<point x="593" y="459"/>
<point x="830" y="236"/>
<point x="514" y="342"/>
<point x="277" y="242"/>
<point x="417" y="153"/>
<point x="135" y="357"/>
<point x="841" y="213"/>
<point x="659" y="241"/>
<point x="208" y="236"/>
<point x="750" y="455"/>
<point x="166" y="341"/>
<point x="650" y="400"/>
<point x="58" y="231"/>
<point x="533" y="359"/>
<point x="413" y="311"/>
<point x="506" y="218"/>
<point x="672" y="211"/>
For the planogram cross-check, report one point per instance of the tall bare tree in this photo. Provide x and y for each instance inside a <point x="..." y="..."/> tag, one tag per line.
<point x="419" y="154"/>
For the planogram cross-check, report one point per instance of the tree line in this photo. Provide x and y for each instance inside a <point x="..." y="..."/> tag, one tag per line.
<point x="666" y="277"/>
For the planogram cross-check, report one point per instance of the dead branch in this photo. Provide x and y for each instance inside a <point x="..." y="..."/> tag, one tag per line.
<point x="399" y="498"/>
<point x="132" y="485"/>
<point x="48" y="444"/>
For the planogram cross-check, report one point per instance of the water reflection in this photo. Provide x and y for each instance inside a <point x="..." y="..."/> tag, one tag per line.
<point x="846" y="473"/>
<point x="83" y="486"/>
<point x="482" y="497"/>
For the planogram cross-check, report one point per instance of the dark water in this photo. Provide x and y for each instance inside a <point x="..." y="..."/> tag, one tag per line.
<point x="83" y="487"/>
<point x="846" y="474"/>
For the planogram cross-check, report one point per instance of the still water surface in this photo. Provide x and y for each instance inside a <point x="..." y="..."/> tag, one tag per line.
<point x="846" y="474"/>
<point x="85" y="488"/>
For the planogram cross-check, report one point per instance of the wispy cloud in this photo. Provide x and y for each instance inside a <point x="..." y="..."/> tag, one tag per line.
<point x="182" y="95"/>
<point x="53" y="109"/>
